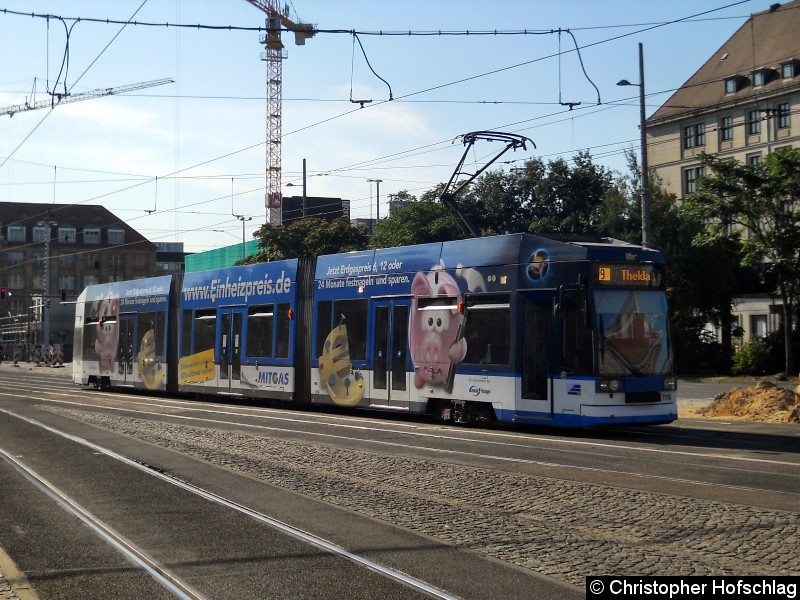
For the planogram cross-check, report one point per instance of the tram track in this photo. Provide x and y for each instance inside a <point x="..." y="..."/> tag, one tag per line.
<point x="496" y="492"/>
<point x="163" y="575"/>
<point x="508" y="441"/>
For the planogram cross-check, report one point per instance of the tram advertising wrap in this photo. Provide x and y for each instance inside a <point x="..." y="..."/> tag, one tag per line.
<point x="517" y="328"/>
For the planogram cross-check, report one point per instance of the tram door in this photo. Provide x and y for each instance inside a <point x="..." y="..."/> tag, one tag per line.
<point x="535" y="357"/>
<point x="126" y="347"/>
<point x="229" y="338"/>
<point x="390" y="354"/>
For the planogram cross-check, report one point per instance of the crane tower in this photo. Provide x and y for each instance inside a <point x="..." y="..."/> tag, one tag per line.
<point x="273" y="55"/>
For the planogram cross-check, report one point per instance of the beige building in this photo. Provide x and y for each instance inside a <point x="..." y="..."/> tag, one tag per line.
<point x="742" y="103"/>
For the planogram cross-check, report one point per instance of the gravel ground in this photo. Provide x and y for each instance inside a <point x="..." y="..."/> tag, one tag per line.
<point x="564" y="529"/>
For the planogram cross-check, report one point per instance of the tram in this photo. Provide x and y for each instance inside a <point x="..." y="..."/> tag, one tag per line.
<point x="515" y="328"/>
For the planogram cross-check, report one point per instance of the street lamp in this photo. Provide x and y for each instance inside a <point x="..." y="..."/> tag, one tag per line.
<point x="46" y="299"/>
<point x="290" y="184"/>
<point x="645" y="170"/>
<point x="243" y="219"/>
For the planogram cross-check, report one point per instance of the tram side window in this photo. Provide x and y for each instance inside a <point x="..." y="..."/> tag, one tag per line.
<point x="324" y="311"/>
<point x="205" y="329"/>
<point x="154" y="321"/>
<point x="577" y="351"/>
<point x="283" y="331"/>
<point x="355" y="317"/>
<point x="186" y="333"/>
<point x="488" y="330"/>
<point x="260" y="327"/>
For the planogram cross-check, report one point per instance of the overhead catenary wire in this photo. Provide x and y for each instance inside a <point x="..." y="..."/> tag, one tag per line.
<point x="470" y="33"/>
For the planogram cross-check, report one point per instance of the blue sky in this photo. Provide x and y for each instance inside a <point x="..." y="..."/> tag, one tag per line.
<point x="175" y="161"/>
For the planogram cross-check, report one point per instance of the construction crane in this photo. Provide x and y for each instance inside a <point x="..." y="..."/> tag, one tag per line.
<point x="57" y="99"/>
<point x="273" y="55"/>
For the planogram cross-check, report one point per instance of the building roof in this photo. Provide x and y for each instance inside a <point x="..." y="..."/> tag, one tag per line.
<point x="765" y="41"/>
<point x="28" y="214"/>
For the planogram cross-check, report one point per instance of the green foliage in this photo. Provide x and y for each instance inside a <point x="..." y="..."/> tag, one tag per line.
<point x="305" y="238"/>
<point x="762" y="200"/>
<point x="418" y="222"/>
<point x="565" y="199"/>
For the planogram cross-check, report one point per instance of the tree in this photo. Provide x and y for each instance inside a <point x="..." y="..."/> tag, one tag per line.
<point x="306" y="238"/>
<point x="762" y="200"/>
<point x="566" y="199"/>
<point x="418" y="222"/>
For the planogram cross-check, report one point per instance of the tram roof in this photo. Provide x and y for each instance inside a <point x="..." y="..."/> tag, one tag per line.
<point x="517" y="248"/>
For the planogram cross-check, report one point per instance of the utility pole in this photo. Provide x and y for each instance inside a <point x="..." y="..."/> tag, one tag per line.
<point x="643" y="142"/>
<point x="46" y="297"/>
<point x="378" y="183"/>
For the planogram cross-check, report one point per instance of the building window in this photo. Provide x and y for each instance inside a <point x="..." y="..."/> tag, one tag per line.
<point x="66" y="261"/>
<point x="758" y="326"/>
<point x="116" y="236"/>
<point x="15" y="257"/>
<point x="16" y="233"/>
<point x="754" y="122"/>
<point x="694" y="135"/>
<point x="15" y="281"/>
<point x="726" y="129"/>
<point x="90" y="280"/>
<point x="783" y="115"/>
<point x="41" y="234"/>
<point x="762" y="76"/>
<point x="787" y="70"/>
<point x="38" y="259"/>
<point x="731" y="85"/>
<point x="66" y="235"/>
<point x="66" y="282"/>
<point x="690" y="177"/>
<point x="754" y="159"/>
<point x="91" y="236"/>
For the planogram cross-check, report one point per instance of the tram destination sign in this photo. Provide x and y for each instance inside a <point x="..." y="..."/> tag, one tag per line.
<point x="646" y="275"/>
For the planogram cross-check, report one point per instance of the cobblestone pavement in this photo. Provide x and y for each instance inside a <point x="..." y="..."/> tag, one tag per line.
<point x="6" y="593"/>
<point x="564" y="529"/>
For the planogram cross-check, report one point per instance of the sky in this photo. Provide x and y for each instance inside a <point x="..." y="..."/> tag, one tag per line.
<point x="178" y="161"/>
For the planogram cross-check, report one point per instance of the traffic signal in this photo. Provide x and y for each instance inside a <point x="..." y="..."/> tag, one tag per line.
<point x="2" y="293"/>
<point x="63" y="294"/>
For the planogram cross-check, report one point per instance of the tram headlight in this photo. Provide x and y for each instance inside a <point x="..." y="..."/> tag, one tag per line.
<point x="610" y="385"/>
<point x="670" y="384"/>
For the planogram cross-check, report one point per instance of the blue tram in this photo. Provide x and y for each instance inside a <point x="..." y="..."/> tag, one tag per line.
<point x="517" y="328"/>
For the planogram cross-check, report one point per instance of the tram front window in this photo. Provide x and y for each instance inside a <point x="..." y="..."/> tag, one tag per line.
<point x="632" y="332"/>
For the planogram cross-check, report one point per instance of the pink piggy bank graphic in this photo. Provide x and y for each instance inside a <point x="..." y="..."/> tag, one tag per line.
<point x="435" y="328"/>
<point x="107" y="333"/>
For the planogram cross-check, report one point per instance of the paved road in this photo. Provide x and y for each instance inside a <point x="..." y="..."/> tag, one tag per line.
<point x="474" y="512"/>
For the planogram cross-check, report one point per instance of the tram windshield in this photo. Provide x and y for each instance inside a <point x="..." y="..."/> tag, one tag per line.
<point x="632" y="332"/>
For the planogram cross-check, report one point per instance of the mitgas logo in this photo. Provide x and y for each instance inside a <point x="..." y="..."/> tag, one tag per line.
<point x="477" y="391"/>
<point x="273" y="378"/>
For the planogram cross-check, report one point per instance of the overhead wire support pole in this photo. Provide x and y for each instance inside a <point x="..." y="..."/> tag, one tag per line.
<point x="455" y="186"/>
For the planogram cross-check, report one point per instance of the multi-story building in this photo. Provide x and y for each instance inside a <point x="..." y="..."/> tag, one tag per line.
<point x="315" y="206"/>
<point x="743" y="104"/>
<point x="170" y="258"/>
<point x="49" y="253"/>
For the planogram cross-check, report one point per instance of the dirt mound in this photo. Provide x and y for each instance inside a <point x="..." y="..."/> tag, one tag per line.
<point x="764" y="402"/>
